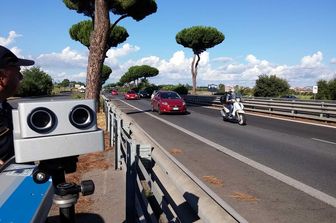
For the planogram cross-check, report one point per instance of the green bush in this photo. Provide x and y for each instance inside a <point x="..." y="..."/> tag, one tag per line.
<point x="181" y="89"/>
<point x="270" y="86"/>
<point x="35" y="83"/>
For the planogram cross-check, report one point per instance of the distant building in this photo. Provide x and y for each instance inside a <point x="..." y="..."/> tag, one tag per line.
<point x="307" y="89"/>
<point x="81" y="88"/>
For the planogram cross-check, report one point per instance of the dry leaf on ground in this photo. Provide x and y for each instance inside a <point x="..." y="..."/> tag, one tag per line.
<point x="243" y="196"/>
<point x="213" y="180"/>
<point x="175" y="151"/>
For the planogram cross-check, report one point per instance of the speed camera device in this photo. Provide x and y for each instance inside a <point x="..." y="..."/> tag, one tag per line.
<point x="54" y="129"/>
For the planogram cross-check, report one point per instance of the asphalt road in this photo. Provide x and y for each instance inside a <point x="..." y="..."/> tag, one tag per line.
<point x="269" y="171"/>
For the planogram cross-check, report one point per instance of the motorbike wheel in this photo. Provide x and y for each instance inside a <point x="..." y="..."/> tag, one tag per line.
<point x="241" y="119"/>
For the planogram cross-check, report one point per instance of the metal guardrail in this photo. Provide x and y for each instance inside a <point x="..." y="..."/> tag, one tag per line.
<point x="315" y="110"/>
<point x="158" y="187"/>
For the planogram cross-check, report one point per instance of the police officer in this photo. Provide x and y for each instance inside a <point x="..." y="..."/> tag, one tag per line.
<point x="10" y="77"/>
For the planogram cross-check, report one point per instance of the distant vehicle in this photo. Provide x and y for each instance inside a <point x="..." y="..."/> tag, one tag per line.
<point x="168" y="101"/>
<point x="289" y="96"/>
<point x="131" y="95"/>
<point x="233" y="110"/>
<point x="114" y="92"/>
<point x="144" y="94"/>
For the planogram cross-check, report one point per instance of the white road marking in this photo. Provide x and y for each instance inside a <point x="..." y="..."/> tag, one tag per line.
<point x="325" y="141"/>
<point x="265" y="169"/>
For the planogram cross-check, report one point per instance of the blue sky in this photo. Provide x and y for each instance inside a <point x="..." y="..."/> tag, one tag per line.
<point x="290" y="38"/>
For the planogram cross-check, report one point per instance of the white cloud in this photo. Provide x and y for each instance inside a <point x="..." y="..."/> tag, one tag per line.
<point x="223" y="59"/>
<point x="251" y="59"/>
<point x="67" y="64"/>
<point x="6" y="41"/>
<point x="177" y="70"/>
<point x="312" y="60"/>
<point x="66" y="57"/>
<point x="10" y="40"/>
<point x="310" y="70"/>
<point x="115" y="53"/>
<point x="333" y="61"/>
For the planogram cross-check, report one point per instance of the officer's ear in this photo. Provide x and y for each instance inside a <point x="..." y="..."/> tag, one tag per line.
<point x="2" y="76"/>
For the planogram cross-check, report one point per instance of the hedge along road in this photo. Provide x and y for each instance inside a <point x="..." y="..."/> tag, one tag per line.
<point x="269" y="170"/>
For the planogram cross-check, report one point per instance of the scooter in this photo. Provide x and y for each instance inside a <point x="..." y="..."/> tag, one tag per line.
<point x="238" y="113"/>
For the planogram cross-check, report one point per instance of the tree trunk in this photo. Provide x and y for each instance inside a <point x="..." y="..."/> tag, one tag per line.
<point x="98" y="41"/>
<point x="194" y="66"/>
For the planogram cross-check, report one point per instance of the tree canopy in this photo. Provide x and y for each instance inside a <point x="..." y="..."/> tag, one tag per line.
<point x="199" y="39"/>
<point x="326" y="89"/>
<point x="65" y="83"/>
<point x="136" y="72"/>
<point x="144" y="71"/>
<point x="35" y="83"/>
<point x="99" y="11"/>
<point x="138" y="9"/>
<point x="270" y="86"/>
<point x="105" y="74"/>
<point x="82" y="31"/>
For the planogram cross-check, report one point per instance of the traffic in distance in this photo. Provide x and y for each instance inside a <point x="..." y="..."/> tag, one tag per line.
<point x="164" y="101"/>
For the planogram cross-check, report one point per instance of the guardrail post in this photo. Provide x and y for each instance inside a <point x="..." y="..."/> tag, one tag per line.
<point x="108" y="118"/>
<point x="112" y="128"/>
<point x="118" y="143"/>
<point x="106" y="110"/>
<point x="131" y="182"/>
<point x="145" y="154"/>
<point x="322" y="108"/>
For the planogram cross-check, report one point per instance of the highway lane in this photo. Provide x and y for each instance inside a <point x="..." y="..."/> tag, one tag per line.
<point x="284" y="146"/>
<point x="271" y="142"/>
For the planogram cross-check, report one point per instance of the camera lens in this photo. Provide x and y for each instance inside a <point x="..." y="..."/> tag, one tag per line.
<point x="81" y="116"/>
<point x="41" y="120"/>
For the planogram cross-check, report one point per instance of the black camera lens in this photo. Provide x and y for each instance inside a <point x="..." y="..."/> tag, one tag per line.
<point x="81" y="116"/>
<point x="41" y="120"/>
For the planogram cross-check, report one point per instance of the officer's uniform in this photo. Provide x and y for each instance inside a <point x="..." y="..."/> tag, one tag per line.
<point x="7" y="59"/>
<point x="6" y="132"/>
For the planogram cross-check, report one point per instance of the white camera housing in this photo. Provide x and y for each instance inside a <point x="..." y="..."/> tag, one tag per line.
<point x="55" y="129"/>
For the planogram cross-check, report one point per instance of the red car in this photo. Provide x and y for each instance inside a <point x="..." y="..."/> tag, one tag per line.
<point x="114" y="92"/>
<point x="131" y="95"/>
<point x="168" y="101"/>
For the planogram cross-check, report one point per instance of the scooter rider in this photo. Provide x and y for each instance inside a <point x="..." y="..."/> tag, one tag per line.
<point x="230" y="98"/>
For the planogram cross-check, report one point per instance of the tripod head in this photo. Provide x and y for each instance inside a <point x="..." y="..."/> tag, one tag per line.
<point x="66" y="194"/>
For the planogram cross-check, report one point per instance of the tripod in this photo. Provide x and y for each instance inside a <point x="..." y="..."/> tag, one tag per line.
<point x="66" y="194"/>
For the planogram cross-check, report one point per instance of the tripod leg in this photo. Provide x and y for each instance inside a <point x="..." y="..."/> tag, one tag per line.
<point x="67" y="215"/>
